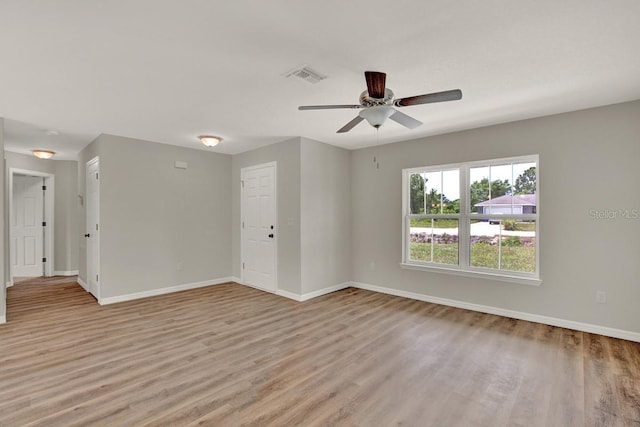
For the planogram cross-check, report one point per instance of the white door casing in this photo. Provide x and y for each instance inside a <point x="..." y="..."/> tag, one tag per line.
<point x="92" y="234"/>
<point x="27" y="232"/>
<point x="258" y="226"/>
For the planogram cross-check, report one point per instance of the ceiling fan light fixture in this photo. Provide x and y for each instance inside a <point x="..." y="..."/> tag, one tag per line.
<point x="376" y="116"/>
<point x="210" y="140"/>
<point x="376" y="103"/>
<point x="43" y="154"/>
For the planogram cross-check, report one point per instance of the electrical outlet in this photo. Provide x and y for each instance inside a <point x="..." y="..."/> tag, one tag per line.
<point x="601" y="297"/>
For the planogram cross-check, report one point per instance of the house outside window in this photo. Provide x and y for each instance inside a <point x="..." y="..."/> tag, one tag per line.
<point x="476" y="218"/>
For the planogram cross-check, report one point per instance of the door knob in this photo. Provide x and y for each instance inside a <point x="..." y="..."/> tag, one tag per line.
<point x="87" y="235"/>
<point x="271" y="236"/>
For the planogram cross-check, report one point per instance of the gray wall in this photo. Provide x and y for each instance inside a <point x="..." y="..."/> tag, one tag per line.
<point x="67" y="213"/>
<point x="588" y="160"/>
<point x="155" y="217"/>
<point x="161" y="226"/>
<point x="23" y="161"/>
<point x="325" y="215"/>
<point x="287" y="156"/>
<point x="66" y="206"/>
<point x="4" y="230"/>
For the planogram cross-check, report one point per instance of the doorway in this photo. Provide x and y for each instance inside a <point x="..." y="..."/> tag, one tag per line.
<point x="31" y="198"/>
<point x="92" y="234"/>
<point x="258" y="226"/>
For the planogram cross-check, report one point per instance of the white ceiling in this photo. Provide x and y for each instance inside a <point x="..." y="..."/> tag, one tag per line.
<point x="167" y="71"/>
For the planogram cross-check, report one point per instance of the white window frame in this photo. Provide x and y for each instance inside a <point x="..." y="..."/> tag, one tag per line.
<point x="464" y="218"/>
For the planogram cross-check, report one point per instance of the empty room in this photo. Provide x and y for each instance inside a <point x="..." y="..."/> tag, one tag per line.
<point x="355" y="213"/>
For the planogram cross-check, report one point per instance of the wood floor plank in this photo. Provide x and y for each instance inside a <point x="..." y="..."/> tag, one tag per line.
<point x="602" y="407"/>
<point x="567" y="393"/>
<point x="232" y="355"/>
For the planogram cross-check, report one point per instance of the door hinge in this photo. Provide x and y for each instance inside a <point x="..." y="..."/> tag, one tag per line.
<point x="96" y="175"/>
<point x="243" y="265"/>
<point x="44" y="260"/>
<point x="242" y="182"/>
<point x="242" y="224"/>
<point x="44" y="187"/>
<point x="96" y="227"/>
<point x="44" y="223"/>
<point x="96" y="277"/>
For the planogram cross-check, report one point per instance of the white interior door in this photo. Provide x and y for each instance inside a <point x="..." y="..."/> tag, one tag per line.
<point x="92" y="235"/>
<point x="27" y="232"/>
<point x="258" y="222"/>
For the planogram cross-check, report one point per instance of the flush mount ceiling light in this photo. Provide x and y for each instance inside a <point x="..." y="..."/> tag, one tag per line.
<point x="210" y="140"/>
<point x="43" y="154"/>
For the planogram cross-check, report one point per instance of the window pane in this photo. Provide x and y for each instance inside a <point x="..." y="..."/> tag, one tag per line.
<point x="432" y="192"/>
<point x="500" y="191"/>
<point x="524" y="176"/>
<point x="451" y="191"/>
<point x="501" y="177"/>
<point x="484" y="248"/>
<point x="416" y="193"/>
<point x="495" y="198"/>
<point x="434" y="240"/>
<point x="518" y="246"/>
<point x="479" y="188"/>
<point x="420" y="238"/>
<point x="445" y="241"/>
<point x="506" y="244"/>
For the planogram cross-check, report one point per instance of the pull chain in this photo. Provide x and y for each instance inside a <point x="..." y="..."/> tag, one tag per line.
<point x="375" y="154"/>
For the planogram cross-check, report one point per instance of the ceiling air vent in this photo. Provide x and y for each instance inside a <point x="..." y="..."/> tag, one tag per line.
<point x="307" y="74"/>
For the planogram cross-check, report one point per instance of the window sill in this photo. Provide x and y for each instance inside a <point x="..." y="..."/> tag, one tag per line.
<point x="476" y="274"/>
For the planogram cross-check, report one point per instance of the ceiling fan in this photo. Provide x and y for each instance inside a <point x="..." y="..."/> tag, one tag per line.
<point x="377" y="104"/>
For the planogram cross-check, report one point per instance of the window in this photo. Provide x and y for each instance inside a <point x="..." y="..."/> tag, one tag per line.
<point x="434" y="205"/>
<point x="478" y="218"/>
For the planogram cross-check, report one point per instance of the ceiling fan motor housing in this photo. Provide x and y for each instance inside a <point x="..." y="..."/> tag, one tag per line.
<point x="367" y="101"/>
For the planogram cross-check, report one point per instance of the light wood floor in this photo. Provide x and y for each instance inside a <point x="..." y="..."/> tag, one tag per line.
<point x="232" y="355"/>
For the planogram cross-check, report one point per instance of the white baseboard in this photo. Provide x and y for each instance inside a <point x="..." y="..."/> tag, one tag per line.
<point x="293" y="295"/>
<point x="9" y="284"/>
<point x="255" y="287"/>
<point x="314" y="294"/>
<point x="82" y="283"/>
<point x="289" y="295"/>
<point x="66" y="273"/>
<point x="162" y="291"/>
<point x="553" y="321"/>
<point x="325" y="291"/>
<point x="3" y="319"/>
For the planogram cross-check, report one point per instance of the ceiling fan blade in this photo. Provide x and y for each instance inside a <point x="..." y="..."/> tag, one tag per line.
<point x="327" y="107"/>
<point x="448" y="95"/>
<point x="404" y="120"/>
<point x="375" y="83"/>
<point x="350" y="125"/>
